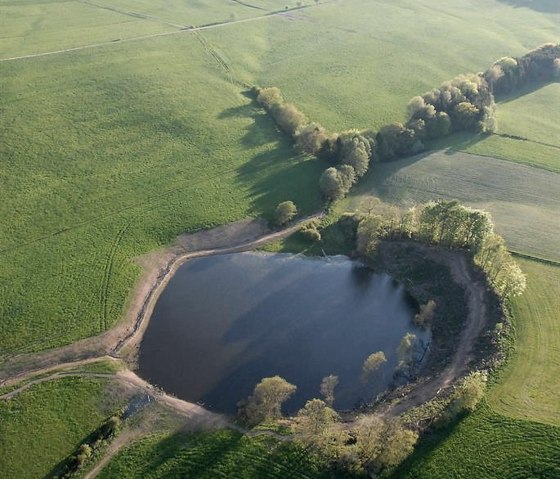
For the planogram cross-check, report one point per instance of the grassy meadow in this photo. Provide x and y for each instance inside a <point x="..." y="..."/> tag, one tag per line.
<point x="45" y="423"/>
<point x="357" y="63"/>
<point x="532" y="118"/>
<point x="113" y="159"/>
<point x="486" y="445"/>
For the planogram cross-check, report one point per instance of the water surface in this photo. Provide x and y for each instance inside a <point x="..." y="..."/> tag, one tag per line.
<point x="225" y="322"/>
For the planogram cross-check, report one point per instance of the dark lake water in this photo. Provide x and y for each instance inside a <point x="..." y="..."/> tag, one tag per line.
<point x="225" y="322"/>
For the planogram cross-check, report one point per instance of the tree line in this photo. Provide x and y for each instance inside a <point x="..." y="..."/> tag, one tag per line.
<point x="449" y="224"/>
<point x="465" y="103"/>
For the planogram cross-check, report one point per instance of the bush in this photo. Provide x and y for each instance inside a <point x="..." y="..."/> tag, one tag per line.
<point x="284" y="213"/>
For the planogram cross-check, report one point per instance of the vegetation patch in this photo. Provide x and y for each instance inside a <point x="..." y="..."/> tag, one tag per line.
<point x="486" y="445"/>
<point x="45" y="423"/>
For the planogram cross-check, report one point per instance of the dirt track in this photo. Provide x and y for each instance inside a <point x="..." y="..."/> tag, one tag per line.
<point x="476" y="319"/>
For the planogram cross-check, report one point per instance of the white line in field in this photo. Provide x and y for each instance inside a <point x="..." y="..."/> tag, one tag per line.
<point x="185" y="29"/>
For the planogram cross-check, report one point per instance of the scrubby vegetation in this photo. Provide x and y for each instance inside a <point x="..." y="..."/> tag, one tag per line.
<point x="46" y="423"/>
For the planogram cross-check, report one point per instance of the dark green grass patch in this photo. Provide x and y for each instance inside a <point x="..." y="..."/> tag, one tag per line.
<point x="224" y="454"/>
<point x="486" y="445"/>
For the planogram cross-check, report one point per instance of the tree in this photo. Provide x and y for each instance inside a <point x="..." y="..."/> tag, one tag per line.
<point x="372" y="363"/>
<point x="467" y="395"/>
<point x="265" y="404"/>
<point x="314" y="422"/>
<point x="405" y="353"/>
<point x="426" y="313"/>
<point x="331" y="184"/>
<point x="311" y="232"/>
<point x="370" y="231"/>
<point x="284" y="212"/>
<point x="328" y="384"/>
<point x="310" y="138"/>
<point x="383" y="442"/>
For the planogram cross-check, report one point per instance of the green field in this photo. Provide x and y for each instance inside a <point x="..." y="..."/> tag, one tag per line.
<point x="523" y="200"/>
<point x="533" y="118"/>
<point x="529" y="386"/>
<point x="44" y="424"/>
<point x="113" y="159"/>
<point x="357" y="63"/>
<point x="487" y="445"/>
<point x="209" y="455"/>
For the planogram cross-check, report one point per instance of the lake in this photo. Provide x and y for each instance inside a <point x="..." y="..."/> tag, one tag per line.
<point x="225" y="322"/>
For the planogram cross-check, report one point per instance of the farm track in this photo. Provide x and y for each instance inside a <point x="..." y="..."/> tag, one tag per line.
<point x="181" y="30"/>
<point x="107" y="275"/>
<point x="477" y="318"/>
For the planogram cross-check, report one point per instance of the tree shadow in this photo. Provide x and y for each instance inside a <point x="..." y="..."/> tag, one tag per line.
<point x="522" y="91"/>
<point x="546" y="6"/>
<point x="429" y="443"/>
<point x="279" y="173"/>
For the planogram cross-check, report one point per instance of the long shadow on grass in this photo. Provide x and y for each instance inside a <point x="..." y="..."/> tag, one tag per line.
<point x="279" y="173"/>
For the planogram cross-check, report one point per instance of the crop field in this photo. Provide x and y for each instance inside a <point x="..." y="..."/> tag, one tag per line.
<point x="530" y="383"/>
<point x="209" y="455"/>
<point x="523" y="200"/>
<point x="45" y="423"/>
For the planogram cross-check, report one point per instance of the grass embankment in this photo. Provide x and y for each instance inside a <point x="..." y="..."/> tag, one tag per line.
<point x="529" y="385"/>
<point x="486" y="445"/>
<point x="210" y="455"/>
<point x="127" y="148"/>
<point x="45" y="423"/>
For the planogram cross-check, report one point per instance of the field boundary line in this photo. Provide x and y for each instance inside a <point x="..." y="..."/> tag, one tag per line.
<point x="548" y="261"/>
<point x="138" y="15"/>
<point x="184" y="29"/>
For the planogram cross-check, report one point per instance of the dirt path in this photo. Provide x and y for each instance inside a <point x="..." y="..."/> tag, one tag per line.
<point x="474" y="323"/>
<point x="123" y="439"/>
<point x="182" y="30"/>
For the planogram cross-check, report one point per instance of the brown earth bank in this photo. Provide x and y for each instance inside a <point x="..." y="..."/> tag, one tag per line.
<point x="443" y="370"/>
